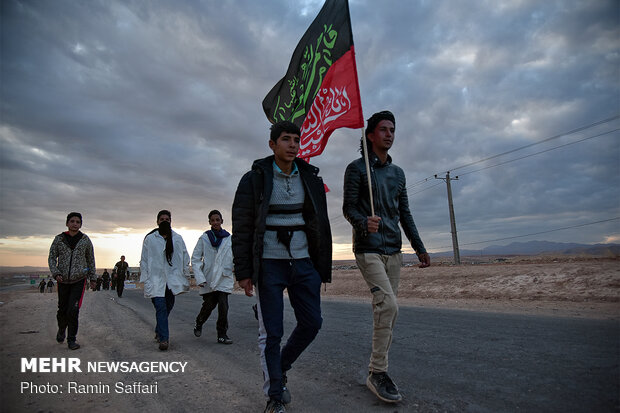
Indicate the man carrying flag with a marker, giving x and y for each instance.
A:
(377, 239)
(281, 234)
(320, 91)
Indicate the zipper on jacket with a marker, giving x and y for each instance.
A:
(70, 263)
(379, 202)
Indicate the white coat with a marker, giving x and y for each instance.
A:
(213, 266)
(156, 273)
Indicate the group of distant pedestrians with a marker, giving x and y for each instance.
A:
(49, 284)
(281, 239)
(119, 274)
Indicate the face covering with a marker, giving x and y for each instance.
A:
(166, 231)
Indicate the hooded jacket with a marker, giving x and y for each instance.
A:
(249, 213)
(389, 189)
(213, 266)
(156, 273)
(72, 264)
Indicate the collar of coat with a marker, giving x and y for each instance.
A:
(266, 165)
(374, 160)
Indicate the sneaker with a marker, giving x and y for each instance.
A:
(275, 406)
(383, 387)
(286, 394)
(197, 330)
(60, 336)
(157, 337)
(72, 345)
(163, 345)
(224, 340)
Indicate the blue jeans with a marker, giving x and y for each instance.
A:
(163, 307)
(304, 290)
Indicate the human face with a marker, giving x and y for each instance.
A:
(216, 222)
(163, 218)
(74, 224)
(382, 137)
(285, 148)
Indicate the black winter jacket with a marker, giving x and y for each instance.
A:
(391, 204)
(249, 213)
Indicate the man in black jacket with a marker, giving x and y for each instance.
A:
(377, 240)
(121, 271)
(282, 239)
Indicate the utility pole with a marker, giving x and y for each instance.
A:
(455, 241)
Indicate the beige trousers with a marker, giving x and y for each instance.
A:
(382, 274)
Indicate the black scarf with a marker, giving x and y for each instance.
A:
(72, 241)
(216, 237)
(166, 231)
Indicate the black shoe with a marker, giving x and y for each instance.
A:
(383, 387)
(72, 345)
(224, 340)
(60, 336)
(286, 394)
(163, 345)
(275, 406)
(197, 330)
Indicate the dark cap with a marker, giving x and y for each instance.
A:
(374, 120)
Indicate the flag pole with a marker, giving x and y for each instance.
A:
(365, 146)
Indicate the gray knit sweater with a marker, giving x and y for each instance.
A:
(288, 194)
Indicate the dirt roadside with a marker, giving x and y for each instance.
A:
(545, 285)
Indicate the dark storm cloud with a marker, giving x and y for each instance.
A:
(118, 107)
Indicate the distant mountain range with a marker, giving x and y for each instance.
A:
(22, 270)
(541, 247)
(516, 248)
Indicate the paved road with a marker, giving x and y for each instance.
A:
(442, 360)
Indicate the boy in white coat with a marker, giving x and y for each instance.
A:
(212, 262)
(164, 270)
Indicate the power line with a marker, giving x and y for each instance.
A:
(580, 129)
(539, 142)
(422, 181)
(537, 233)
(422, 190)
(538, 153)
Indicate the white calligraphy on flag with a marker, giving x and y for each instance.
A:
(329, 105)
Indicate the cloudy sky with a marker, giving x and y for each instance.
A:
(118, 109)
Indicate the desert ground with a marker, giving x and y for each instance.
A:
(549, 284)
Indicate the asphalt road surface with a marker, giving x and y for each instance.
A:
(442, 360)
